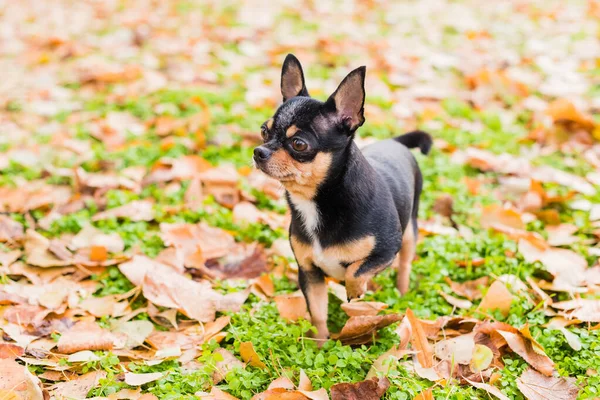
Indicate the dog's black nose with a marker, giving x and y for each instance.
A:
(261, 153)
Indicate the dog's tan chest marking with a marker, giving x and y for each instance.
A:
(331, 259)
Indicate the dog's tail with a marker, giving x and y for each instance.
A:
(419, 139)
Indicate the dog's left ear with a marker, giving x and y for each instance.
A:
(349, 99)
(292, 79)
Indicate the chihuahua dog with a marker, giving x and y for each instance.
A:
(352, 210)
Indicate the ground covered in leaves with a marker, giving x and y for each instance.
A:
(141, 256)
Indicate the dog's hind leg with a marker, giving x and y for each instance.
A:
(407, 255)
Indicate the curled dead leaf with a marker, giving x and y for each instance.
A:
(86, 335)
(360, 330)
(498, 297)
(360, 308)
(536, 386)
(371, 389)
(250, 356)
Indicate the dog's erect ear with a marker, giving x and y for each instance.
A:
(292, 79)
(349, 99)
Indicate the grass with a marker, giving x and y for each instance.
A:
(286, 348)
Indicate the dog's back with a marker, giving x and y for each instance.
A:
(394, 162)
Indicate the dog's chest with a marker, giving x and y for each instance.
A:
(334, 258)
(326, 260)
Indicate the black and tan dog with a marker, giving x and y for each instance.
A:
(352, 210)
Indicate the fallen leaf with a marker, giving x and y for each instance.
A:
(419, 341)
(455, 301)
(426, 394)
(360, 330)
(250, 356)
(83, 356)
(79, 387)
(216, 394)
(482, 358)
(469, 289)
(457, 350)
(363, 308)
(10, 230)
(141, 379)
(136, 332)
(222, 367)
(386, 361)
(283, 382)
(85, 335)
(137, 210)
(37, 251)
(488, 388)
(371, 389)
(529, 351)
(563, 110)
(536, 386)
(17, 381)
(304, 382)
(10, 351)
(292, 307)
(498, 297)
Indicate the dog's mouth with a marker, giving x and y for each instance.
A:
(280, 177)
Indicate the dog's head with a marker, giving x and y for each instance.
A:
(305, 136)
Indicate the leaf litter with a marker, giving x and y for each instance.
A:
(133, 234)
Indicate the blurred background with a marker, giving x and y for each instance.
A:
(59, 57)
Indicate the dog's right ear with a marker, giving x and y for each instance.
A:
(292, 79)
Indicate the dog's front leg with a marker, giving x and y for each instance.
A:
(312, 283)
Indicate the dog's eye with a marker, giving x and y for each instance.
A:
(299, 145)
(263, 132)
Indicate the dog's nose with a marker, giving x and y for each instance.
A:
(261, 153)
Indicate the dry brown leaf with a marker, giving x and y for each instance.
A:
(250, 356)
(562, 235)
(586, 310)
(10, 230)
(141, 379)
(498, 297)
(469, 289)
(85, 335)
(455, 301)
(280, 394)
(265, 284)
(78, 387)
(536, 386)
(292, 307)
(384, 362)
(371, 389)
(17, 381)
(283, 382)
(10, 351)
(216, 394)
(457, 350)
(361, 330)
(563, 110)
(496, 216)
(37, 251)
(419, 341)
(90, 236)
(304, 382)
(366, 308)
(136, 332)
(530, 352)
(426, 394)
(137, 210)
(223, 367)
(488, 388)
(198, 242)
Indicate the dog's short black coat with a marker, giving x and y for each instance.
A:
(352, 210)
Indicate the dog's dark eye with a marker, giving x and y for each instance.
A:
(263, 132)
(299, 145)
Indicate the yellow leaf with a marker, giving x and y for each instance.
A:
(482, 358)
(250, 356)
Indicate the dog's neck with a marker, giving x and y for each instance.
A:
(349, 184)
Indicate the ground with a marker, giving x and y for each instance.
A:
(140, 253)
